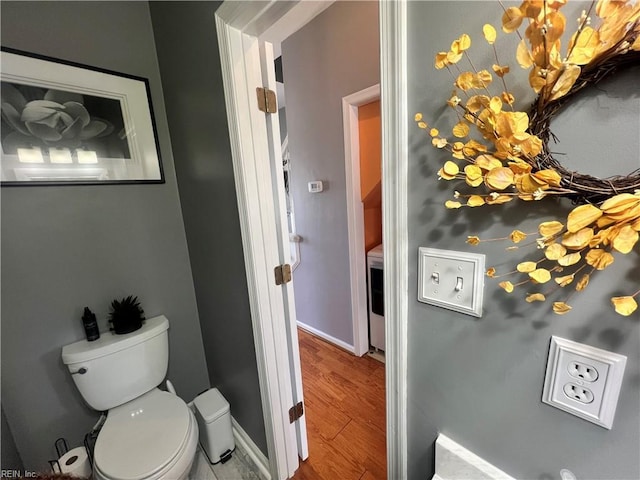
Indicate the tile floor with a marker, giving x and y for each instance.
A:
(239, 467)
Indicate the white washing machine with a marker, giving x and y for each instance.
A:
(375, 280)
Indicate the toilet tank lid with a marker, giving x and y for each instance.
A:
(109, 342)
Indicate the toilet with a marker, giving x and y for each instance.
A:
(149, 434)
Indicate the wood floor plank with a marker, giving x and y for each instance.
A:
(345, 413)
(325, 462)
(365, 445)
(368, 476)
(322, 418)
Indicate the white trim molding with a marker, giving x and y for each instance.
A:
(333, 340)
(240, 61)
(253, 452)
(393, 82)
(355, 215)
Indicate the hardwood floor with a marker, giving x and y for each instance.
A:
(345, 411)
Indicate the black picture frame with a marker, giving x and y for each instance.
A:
(65, 123)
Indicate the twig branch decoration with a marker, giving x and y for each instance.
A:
(511, 158)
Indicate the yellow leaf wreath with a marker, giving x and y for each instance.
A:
(514, 162)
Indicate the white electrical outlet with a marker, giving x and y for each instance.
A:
(583, 380)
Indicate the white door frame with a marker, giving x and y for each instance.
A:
(240, 61)
(238, 24)
(355, 215)
(395, 229)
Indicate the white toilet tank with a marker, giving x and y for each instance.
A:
(114, 369)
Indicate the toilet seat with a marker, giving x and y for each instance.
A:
(146, 438)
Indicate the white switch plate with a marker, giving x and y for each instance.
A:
(316, 186)
(583, 380)
(452, 280)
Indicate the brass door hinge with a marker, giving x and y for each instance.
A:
(296, 412)
(282, 274)
(266, 100)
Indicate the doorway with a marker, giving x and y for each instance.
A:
(320, 77)
(238, 24)
(363, 209)
(326, 153)
(351, 105)
(345, 394)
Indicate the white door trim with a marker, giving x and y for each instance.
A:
(395, 233)
(355, 215)
(238, 23)
(240, 61)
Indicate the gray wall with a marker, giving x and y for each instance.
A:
(333, 56)
(479, 381)
(67, 247)
(187, 48)
(10, 457)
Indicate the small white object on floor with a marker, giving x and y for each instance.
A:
(454, 462)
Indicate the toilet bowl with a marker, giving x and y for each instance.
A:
(152, 437)
(149, 434)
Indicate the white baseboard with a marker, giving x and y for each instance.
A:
(253, 452)
(337, 342)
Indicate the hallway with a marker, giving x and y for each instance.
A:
(345, 410)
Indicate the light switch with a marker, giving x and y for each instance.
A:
(316, 186)
(450, 279)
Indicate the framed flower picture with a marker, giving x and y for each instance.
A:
(67, 123)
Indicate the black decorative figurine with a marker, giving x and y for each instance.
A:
(90, 325)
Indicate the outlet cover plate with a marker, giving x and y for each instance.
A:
(570, 368)
(451, 279)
